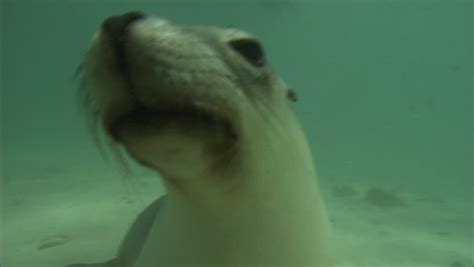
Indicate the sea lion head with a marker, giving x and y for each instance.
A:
(182, 100)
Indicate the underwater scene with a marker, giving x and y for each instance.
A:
(273, 133)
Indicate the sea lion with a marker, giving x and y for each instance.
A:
(202, 107)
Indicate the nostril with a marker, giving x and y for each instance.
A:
(116, 26)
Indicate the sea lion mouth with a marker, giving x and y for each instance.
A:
(190, 119)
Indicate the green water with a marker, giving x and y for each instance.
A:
(384, 87)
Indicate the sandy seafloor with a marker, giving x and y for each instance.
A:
(54, 215)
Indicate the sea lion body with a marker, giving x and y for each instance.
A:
(201, 106)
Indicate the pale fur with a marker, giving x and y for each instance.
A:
(256, 204)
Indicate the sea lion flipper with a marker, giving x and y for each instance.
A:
(109, 263)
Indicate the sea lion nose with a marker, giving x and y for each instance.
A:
(115, 29)
(116, 26)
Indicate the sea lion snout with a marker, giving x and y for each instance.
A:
(118, 23)
(143, 65)
(115, 29)
(116, 26)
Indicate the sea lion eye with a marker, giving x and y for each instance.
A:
(250, 49)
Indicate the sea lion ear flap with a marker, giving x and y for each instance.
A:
(291, 94)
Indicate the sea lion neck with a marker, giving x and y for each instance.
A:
(272, 158)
